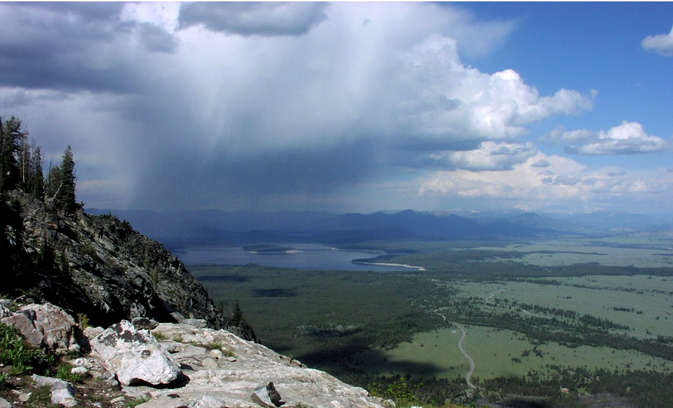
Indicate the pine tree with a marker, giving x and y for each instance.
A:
(65, 194)
(52, 183)
(11, 140)
(37, 188)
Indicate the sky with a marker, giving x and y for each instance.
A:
(349, 107)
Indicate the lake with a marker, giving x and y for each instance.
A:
(307, 256)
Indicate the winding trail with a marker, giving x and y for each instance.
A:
(491, 297)
(468, 376)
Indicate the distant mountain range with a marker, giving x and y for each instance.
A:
(176, 228)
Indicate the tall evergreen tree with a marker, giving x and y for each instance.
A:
(52, 183)
(65, 195)
(37, 189)
(11, 140)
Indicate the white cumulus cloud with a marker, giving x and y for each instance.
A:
(661, 44)
(627, 138)
(489, 156)
(557, 183)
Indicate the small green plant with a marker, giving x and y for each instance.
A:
(212, 346)
(64, 372)
(399, 391)
(14, 351)
(41, 397)
(178, 339)
(137, 401)
(228, 353)
(88, 250)
(159, 336)
(83, 320)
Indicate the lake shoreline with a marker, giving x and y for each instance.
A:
(418, 268)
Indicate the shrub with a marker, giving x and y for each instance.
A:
(14, 351)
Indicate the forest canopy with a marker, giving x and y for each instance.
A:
(21, 168)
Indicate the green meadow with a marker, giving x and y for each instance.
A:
(533, 312)
(649, 299)
(606, 251)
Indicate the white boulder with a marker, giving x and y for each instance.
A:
(135, 356)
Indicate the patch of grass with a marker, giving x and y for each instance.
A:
(41, 397)
(215, 345)
(64, 372)
(159, 336)
(212, 346)
(88, 250)
(137, 401)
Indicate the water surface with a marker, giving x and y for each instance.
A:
(306, 256)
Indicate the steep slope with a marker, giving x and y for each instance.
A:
(95, 265)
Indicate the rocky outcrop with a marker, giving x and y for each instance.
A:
(62, 392)
(135, 356)
(98, 266)
(222, 367)
(206, 368)
(46, 326)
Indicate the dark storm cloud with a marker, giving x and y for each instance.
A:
(156, 39)
(181, 176)
(73, 46)
(88, 11)
(304, 102)
(267, 19)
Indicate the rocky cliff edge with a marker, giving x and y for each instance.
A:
(97, 266)
(171, 365)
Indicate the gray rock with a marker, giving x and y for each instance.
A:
(4, 403)
(164, 402)
(4, 312)
(94, 367)
(62, 393)
(47, 326)
(207, 401)
(135, 355)
(79, 370)
(24, 396)
(209, 363)
(198, 323)
(144, 323)
(233, 383)
(267, 396)
(91, 332)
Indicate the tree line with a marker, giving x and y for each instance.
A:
(21, 168)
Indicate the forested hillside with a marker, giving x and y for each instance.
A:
(94, 265)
